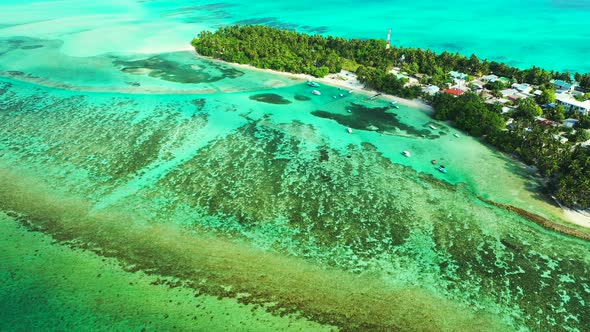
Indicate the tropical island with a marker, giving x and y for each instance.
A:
(539, 116)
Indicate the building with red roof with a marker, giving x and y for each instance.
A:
(455, 92)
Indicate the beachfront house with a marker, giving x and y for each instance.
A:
(573, 105)
(431, 89)
(560, 85)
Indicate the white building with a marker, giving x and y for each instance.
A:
(572, 104)
(458, 75)
(489, 78)
(431, 89)
(512, 94)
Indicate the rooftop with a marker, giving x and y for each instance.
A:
(455, 92)
(568, 99)
(456, 74)
(563, 84)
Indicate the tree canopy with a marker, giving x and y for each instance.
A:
(535, 143)
(527, 109)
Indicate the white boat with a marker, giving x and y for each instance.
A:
(349, 91)
(433, 127)
(314, 84)
(349, 111)
(393, 102)
(341, 95)
(349, 130)
(456, 135)
(316, 92)
(406, 153)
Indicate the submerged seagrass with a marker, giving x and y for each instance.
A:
(248, 202)
(152, 189)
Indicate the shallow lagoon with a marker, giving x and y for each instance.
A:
(277, 177)
(162, 177)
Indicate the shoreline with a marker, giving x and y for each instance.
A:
(572, 216)
(540, 220)
(345, 79)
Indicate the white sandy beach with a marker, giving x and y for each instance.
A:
(345, 79)
(577, 217)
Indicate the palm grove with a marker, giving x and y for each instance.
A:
(566, 166)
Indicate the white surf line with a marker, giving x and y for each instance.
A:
(183, 153)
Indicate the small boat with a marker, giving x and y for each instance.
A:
(395, 106)
(434, 161)
(316, 92)
(393, 102)
(433, 127)
(456, 135)
(341, 95)
(349, 91)
(406, 153)
(313, 84)
(349, 111)
(334, 97)
(442, 169)
(349, 130)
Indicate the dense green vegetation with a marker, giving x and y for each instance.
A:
(565, 165)
(284, 50)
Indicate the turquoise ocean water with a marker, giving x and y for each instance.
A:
(551, 34)
(144, 187)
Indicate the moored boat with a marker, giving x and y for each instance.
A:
(316, 92)
(313, 84)
(349, 130)
(406, 153)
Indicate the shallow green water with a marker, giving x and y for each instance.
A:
(50, 287)
(295, 184)
(132, 179)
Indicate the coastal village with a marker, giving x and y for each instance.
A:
(567, 95)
